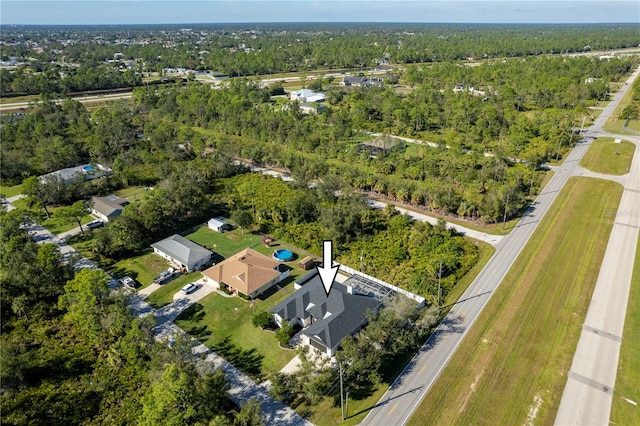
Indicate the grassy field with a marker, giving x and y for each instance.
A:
(628, 378)
(224, 324)
(164, 295)
(143, 268)
(226, 244)
(512, 366)
(614, 124)
(133, 193)
(605, 156)
(10, 191)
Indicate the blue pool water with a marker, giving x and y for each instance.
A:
(89, 168)
(283, 255)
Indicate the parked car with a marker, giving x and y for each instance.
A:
(95, 224)
(166, 276)
(128, 281)
(189, 288)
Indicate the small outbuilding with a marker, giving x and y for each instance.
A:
(219, 225)
(307, 263)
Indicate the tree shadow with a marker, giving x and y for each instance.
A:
(248, 361)
(194, 313)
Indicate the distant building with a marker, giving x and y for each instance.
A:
(219, 225)
(84, 172)
(182, 253)
(106, 208)
(306, 95)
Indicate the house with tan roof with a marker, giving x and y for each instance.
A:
(247, 272)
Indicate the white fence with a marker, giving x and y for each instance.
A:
(421, 301)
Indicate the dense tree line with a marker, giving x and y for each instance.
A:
(54, 78)
(241, 51)
(72, 352)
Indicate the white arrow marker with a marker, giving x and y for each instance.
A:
(327, 271)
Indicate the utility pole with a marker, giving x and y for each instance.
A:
(439, 279)
(341, 390)
(504, 219)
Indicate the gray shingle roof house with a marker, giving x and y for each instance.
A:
(326, 320)
(108, 207)
(182, 253)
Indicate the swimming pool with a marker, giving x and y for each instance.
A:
(283, 255)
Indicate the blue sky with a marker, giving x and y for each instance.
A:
(215, 11)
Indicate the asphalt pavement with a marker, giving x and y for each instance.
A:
(405, 394)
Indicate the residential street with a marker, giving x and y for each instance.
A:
(242, 387)
(406, 393)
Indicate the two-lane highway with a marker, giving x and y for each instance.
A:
(405, 394)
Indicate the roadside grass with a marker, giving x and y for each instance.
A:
(10, 191)
(143, 267)
(605, 156)
(224, 324)
(512, 366)
(627, 385)
(615, 124)
(326, 413)
(227, 243)
(164, 295)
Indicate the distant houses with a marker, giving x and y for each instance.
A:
(306, 95)
(83, 173)
(355, 81)
(106, 208)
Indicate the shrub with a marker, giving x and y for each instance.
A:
(284, 333)
(262, 319)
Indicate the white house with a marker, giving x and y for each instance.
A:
(306, 95)
(108, 207)
(182, 253)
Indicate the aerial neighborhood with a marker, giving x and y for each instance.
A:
(318, 223)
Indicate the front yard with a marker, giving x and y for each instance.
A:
(224, 324)
(144, 268)
(164, 295)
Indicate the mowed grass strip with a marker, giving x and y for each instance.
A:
(512, 366)
(627, 388)
(606, 156)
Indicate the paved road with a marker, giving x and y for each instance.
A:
(18, 106)
(405, 394)
(588, 394)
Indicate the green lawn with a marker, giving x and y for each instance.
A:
(132, 193)
(10, 191)
(164, 295)
(606, 156)
(224, 325)
(54, 224)
(227, 243)
(628, 378)
(515, 359)
(144, 267)
(614, 124)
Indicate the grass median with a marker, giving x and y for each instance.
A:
(512, 366)
(606, 156)
(626, 394)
